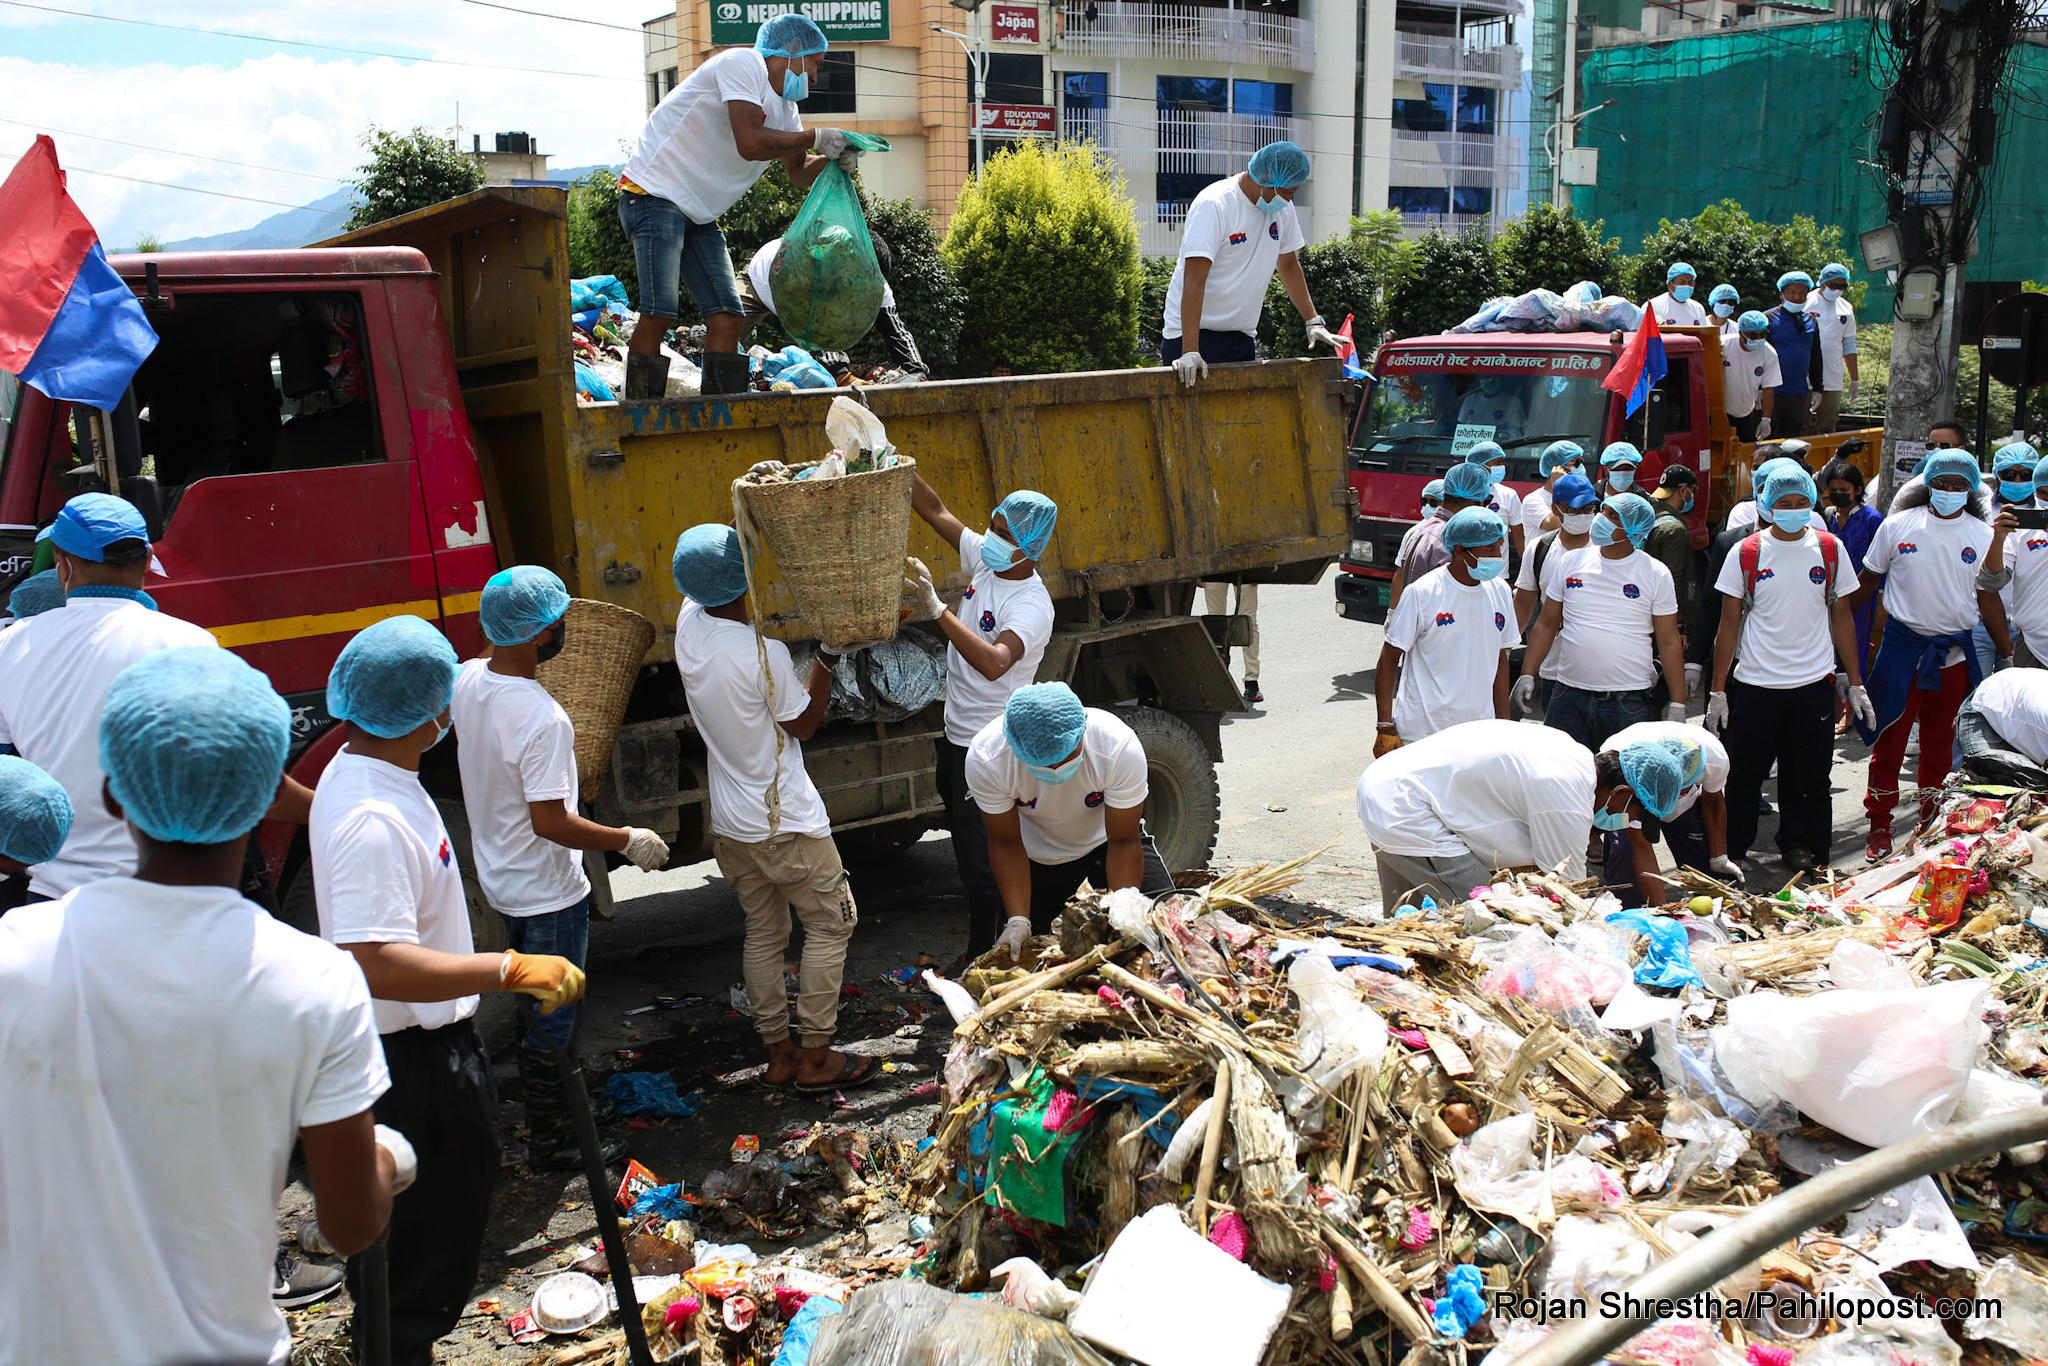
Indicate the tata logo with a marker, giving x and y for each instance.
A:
(1238, 239)
(1818, 574)
(1763, 574)
(729, 13)
(1630, 591)
(1273, 231)
(1969, 554)
(1093, 799)
(1500, 621)
(988, 621)
(1908, 548)
(1574, 582)
(1445, 619)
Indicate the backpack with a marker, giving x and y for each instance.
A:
(1541, 553)
(1751, 550)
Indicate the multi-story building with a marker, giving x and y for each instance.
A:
(1457, 81)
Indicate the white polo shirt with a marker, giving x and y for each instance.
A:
(1673, 313)
(1242, 243)
(515, 745)
(1061, 821)
(1452, 635)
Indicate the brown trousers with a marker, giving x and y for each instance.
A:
(801, 872)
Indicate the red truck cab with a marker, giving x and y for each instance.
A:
(1431, 399)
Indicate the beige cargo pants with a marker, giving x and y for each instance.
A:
(1216, 598)
(801, 872)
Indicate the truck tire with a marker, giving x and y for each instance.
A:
(486, 927)
(882, 843)
(1182, 809)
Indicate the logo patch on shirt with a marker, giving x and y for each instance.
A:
(969, 593)
(1629, 590)
(1030, 805)
(1273, 231)
(1238, 239)
(2037, 542)
(1500, 621)
(1763, 574)
(447, 855)
(1445, 619)
(1758, 372)
(1908, 548)
(1093, 799)
(988, 621)
(1572, 581)
(1969, 554)
(1818, 574)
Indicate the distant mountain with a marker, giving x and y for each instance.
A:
(297, 227)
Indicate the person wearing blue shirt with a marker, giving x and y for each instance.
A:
(1795, 336)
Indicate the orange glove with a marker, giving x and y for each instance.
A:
(551, 980)
(1387, 743)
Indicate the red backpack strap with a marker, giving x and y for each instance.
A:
(1830, 557)
(1751, 550)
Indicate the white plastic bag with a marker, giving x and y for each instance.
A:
(958, 1001)
(1338, 1035)
(1187, 1141)
(1589, 1257)
(1497, 1169)
(1990, 1093)
(1027, 1287)
(853, 428)
(1858, 966)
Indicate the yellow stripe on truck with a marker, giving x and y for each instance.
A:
(335, 623)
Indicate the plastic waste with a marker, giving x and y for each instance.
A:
(910, 1323)
(959, 1002)
(2022, 1298)
(852, 426)
(1338, 1034)
(827, 283)
(651, 1093)
(596, 291)
(1858, 966)
(1534, 968)
(1710, 1141)
(1496, 1169)
(1588, 1257)
(1668, 961)
(588, 381)
(797, 365)
(1461, 1305)
(1633, 1008)
(1186, 1143)
(1027, 1287)
(666, 1201)
(832, 466)
(1158, 1293)
(801, 1335)
(1990, 1093)
(1130, 913)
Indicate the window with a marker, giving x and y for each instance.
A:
(1472, 199)
(1263, 97)
(832, 88)
(1194, 94)
(1084, 104)
(1014, 79)
(1430, 114)
(1475, 109)
(1412, 200)
(1177, 190)
(1670, 406)
(659, 83)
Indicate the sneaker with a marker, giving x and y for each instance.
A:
(1878, 846)
(295, 1283)
(1800, 861)
(1251, 691)
(569, 1157)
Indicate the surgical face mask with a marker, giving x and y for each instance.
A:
(795, 85)
(442, 725)
(1791, 520)
(1431, 509)
(1577, 523)
(1058, 773)
(1603, 819)
(1489, 386)
(1947, 503)
(1270, 204)
(1831, 294)
(1621, 480)
(1681, 292)
(1794, 307)
(1496, 473)
(997, 553)
(554, 644)
(1489, 568)
(1750, 343)
(2018, 492)
(1604, 529)
(1724, 310)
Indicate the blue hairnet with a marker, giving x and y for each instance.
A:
(1472, 527)
(521, 602)
(1279, 166)
(1752, 321)
(2041, 471)
(1953, 462)
(1692, 760)
(2014, 456)
(1557, 455)
(789, 35)
(91, 522)
(1468, 481)
(1763, 472)
(1721, 292)
(1043, 722)
(1834, 270)
(1574, 490)
(1677, 269)
(708, 566)
(192, 741)
(1653, 772)
(1031, 516)
(1433, 489)
(35, 812)
(1794, 277)
(1635, 514)
(36, 594)
(1485, 453)
(1620, 453)
(393, 677)
(1787, 479)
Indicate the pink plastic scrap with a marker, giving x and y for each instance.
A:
(1111, 995)
(1328, 1280)
(1763, 1354)
(1414, 1038)
(1230, 1234)
(1419, 1228)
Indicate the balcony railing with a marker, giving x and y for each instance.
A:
(1187, 33)
(1445, 149)
(1431, 56)
(1185, 140)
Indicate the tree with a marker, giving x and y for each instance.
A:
(597, 240)
(1045, 247)
(407, 172)
(1553, 249)
(1449, 278)
(1874, 364)
(1724, 245)
(1158, 272)
(148, 242)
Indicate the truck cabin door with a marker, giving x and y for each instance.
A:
(1671, 429)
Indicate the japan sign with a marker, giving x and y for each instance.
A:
(1014, 23)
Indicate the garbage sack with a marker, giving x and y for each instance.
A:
(799, 1339)
(910, 1323)
(651, 1093)
(797, 365)
(588, 381)
(1166, 1296)
(825, 278)
(888, 682)
(596, 291)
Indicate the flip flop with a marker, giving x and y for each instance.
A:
(851, 1074)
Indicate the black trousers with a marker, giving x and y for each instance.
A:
(1053, 884)
(1218, 348)
(443, 1100)
(1685, 835)
(970, 850)
(1793, 728)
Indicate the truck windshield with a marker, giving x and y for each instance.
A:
(1447, 415)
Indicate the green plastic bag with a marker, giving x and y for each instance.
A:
(826, 281)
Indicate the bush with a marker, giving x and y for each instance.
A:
(1045, 249)
(597, 240)
(407, 172)
(1549, 248)
(1158, 279)
(928, 298)
(1351, 275)
(1724, 245)
(1450, 276)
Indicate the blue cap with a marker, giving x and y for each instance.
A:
(35, 812)
(1653, 771)
(1794, 277)
(35, 595)
(1752, 321)
(1043, 722)
(521, 602)
(1834, 270)
(1473, 527)
(1677, 269)
(2014, 456)
(1433, 489)
(1469, 481)
(91, 522)
(1031, 516)
(1620, 453)
(1574, 491)
(708, 567)
(1723, 294)
(1953, 462)
(1557, 455)
(789, 35)
(1279, 166)
(192, 741)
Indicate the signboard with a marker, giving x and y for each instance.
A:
(1495, 362)
(844, 21)
(1469, 435)
(1906, 457)
(1014, 23)
(1021, 120)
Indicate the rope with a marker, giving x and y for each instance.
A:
(743, 523)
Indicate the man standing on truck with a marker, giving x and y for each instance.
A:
(1676, 306)
(389, 892)
(1725, 302)
(701, 149)
(1834, 319)
(1422, 548)
(993, 646)
(1447, 643)
(1749, 376)
(517, 756)
(1062, 788)
(1239, 232)
(758, 299)
(769, 829)
(1796, 338)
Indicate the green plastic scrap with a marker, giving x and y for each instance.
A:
(1027, 1167)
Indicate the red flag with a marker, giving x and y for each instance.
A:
(44, 240)
(1641, 364)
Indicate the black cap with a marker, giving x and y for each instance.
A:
(1678, 477)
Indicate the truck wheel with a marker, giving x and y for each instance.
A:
(883, 843)
(1182, 807)
(486, 928)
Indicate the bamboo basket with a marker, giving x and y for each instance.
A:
(603, 647)
(839, 544)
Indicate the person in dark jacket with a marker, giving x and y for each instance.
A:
(1795, 336)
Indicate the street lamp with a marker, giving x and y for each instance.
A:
(977, 66)
(1552, 137)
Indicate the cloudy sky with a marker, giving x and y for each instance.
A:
(294, 114)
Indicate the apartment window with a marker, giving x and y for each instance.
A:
(1269, 98)
(659, 83)
(1194, 94)
(1475, 109)
(1413, 200)
(1177, 190)
(832, 88)
(1014, 79)
(1472, 199)
(1430, 114)
(1084, 104)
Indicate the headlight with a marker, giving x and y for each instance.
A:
(1361, 552)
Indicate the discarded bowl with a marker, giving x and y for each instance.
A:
(568, 1302)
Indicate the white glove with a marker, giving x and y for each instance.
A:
(831, 142)
(404, 1165)
(1522, 696)
(1695, 675)
(1725, 868)
(1849, 394)
(645, 850)
(1013, 936)
(1842, 683)
(1319, 335)
(1675, 711)
(849, 160)
(1191, 367)
(1813, 401)
(1860, 706)
(1763, 429)
(1717, 711)
(919, 595)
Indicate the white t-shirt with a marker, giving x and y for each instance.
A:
(384, 872)
(516, 745)
(1453, 636)
(1061, 821)
(1746, 374)
(721, 670)
(1507, 503)
(1930, 564)
(1501, 415)
(1242, 244)
(2026, 596)
(687, 154)
(1786, 641)
(1605, 644)
(1712, 752)
(1837, 322)
(2015, 702)
(180, 1039)
(1509, 793)
(1743, 516)
(763, 262)
(1525, 581)
(1536, 505)
(991, 606)
(1671, 312)
(54, 672)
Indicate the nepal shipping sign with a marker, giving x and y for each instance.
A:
(844, 21)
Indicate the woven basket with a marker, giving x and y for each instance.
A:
(840, 545)
(603, 647)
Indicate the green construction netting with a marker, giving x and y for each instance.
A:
(1784, 119)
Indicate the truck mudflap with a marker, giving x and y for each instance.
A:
(1363, 597)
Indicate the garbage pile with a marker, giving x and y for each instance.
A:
(1582, 308)
(601, 319)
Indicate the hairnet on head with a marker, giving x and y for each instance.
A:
(91, 522)
(708, 566)
(1692, 760)
(1768, 468)
(393, 677)
(1031, 516)
(1794, 277)
(193, 741)
(1573, 491)
(1485, 453)
(1557, 455)
(2018, 455)
(1473, 527)
(1834, 270)
(1787, 479)
(35, 812)
(1620, 453)
(1752, 321)
(1043, 722)
(1433, 489)
(36, 594)
(2041, 471)
(521, 602)
(1723, 294)
(1677, 269)
(789, 35)
(1635, 514)
(1953, 462)
(1279, 166)
(1469, 481)
(1653, 772)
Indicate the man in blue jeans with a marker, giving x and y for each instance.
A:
(517, 756)
(701, 149)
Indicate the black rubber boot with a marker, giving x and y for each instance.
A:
(726, 372)
(646, 378)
